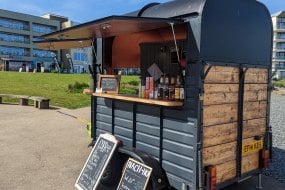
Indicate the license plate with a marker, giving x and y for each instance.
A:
(252, 147)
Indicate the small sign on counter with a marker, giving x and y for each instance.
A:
(135, 176)
(97, 162)
(109, 84)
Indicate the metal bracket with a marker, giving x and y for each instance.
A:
(259, 185)
(207, 71)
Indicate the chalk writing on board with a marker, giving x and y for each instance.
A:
(109, 84)
(135, 176)
(96, 162)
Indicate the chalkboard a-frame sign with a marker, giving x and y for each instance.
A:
(135, 176)
(109, 83)
(97, 162)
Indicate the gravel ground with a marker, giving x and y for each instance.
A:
(277, 121)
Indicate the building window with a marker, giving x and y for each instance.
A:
(280, 55)
(280, 35)
(14, 24)
(7, 37)
(280, 45)
(43, 28)
(280, 65)
(281, 23)
(14, 51)
(79, 57)
(42, 53)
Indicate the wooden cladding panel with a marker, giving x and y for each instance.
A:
(220, 114)
(220, 88)
(255, 92)
(254, 75)
(228, 93)
(250, 162)
(226, 171)
(225, 133)
(254, 127)
(219, 74)
(253, 110)
(219, 134)
(219, 154)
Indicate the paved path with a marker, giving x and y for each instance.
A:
(41, 149)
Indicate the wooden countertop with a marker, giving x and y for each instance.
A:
(140, 100)
(87, 91)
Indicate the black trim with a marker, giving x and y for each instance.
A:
(240, 121)
(236, 64)
(161, 114)
(145, 8)
(134, 124)
(113, 116)
(93, 116)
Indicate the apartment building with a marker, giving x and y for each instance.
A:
(17, 33)
(278, 60)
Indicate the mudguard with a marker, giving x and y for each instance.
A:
(113, 172)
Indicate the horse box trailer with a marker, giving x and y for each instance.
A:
(219, 132)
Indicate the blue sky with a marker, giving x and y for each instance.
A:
(86, 10)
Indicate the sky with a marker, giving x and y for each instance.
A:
(87, 10)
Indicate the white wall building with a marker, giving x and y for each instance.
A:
(278, 59)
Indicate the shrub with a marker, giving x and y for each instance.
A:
(77, 87)
(133, 83)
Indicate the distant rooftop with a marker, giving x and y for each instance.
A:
(55, 17)
(279, 14)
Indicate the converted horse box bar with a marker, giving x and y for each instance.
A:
(219, 133)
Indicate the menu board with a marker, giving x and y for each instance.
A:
(97, 162)
(109, 83)
(135, 176)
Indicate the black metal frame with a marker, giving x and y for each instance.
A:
(242, 73)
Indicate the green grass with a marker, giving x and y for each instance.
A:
(48, 85)
(129, 84)
(62, 89)
(279, 83)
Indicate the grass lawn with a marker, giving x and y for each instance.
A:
(53, 86)
(48, 85)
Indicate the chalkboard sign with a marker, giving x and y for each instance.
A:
(109, 83)
(96, 162)
(135, 176)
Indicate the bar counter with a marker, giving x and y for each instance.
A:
(139, 100)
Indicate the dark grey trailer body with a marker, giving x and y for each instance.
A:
(225, 33)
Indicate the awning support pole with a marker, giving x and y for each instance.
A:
(174, 38)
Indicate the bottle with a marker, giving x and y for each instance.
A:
(177, 88)
(172, 89)
(166, 88)
(160, 88)
(182, 91)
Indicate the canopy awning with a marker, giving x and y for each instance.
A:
(111, 26)
(52, 44)
(81, 36)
